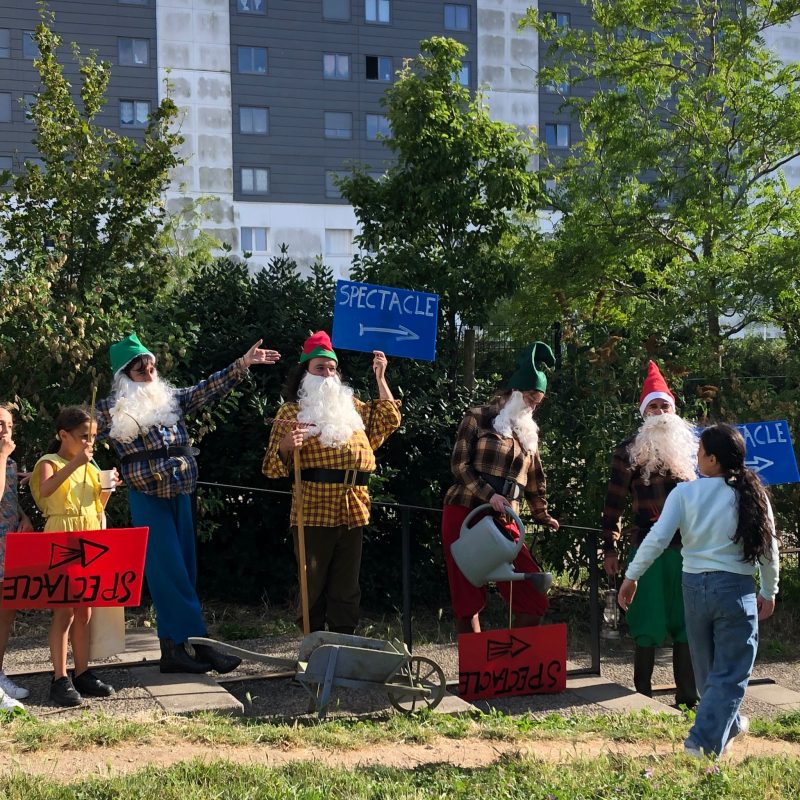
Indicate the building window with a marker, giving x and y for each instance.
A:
(254, 240)
(331, 189)
(379, 68)
(5, 165)
(28, 101)
(134, 2)
(5, 43)
(29, 47)
(336, 66)
(252, 60)
(5, 107)
(456, 17)
(251, 6)
(338, 125)
(255, 180)
(463, 74)
(134, 52)
(378, 126)
(557, 87)
(253, 120)
(338, 242)
(336, 9)
(556, 135)
(134, 113)
(561, 19)
(378, 10)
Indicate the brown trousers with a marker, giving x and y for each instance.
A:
(333, 562)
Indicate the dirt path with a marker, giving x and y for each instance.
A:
(74, 765)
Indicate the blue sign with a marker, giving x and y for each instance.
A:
(770, 452)
(397, 321)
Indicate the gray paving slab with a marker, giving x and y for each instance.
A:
(613, 696)
(141, 645)
(186, 694)
(775, 695)
(452, 704)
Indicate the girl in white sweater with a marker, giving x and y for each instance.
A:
(728, 532)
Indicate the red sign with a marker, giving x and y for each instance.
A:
(74, 568)
(512, 661)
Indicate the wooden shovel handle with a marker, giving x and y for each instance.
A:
(301, 542)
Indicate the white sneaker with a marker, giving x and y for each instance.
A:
(744, 727)
(692, 751)
(8, 703)
(11, 688)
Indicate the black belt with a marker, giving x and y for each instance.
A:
(348, 477)
(504, 486)
(159, 452)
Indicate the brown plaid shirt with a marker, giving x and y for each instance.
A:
(328, 505)
(647, 500)
(479, 448)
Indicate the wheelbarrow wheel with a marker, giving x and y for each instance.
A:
(418, 672)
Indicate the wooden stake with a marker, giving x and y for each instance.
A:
(301, 542)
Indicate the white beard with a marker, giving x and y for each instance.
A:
(147, 404)
(516, 419)
(326, 404)
(665, 444)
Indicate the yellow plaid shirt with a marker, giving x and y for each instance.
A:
(328, 505)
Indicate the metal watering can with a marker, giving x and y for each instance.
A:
(485, 552)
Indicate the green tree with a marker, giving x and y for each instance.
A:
(83, 259)
(436, 220)
(673, 207)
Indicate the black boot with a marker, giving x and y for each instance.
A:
(174, 658)
(220, 662)
(644, 659)
(683, 671)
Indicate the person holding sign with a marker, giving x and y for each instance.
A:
(728, 533)
(496, 461)
(648, 466)
(144, 419)
(66, 486)
(335, 436)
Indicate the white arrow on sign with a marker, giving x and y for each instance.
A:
(758, 463)
(404, 334)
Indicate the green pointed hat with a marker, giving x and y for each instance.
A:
(122, 353)
(528, 375)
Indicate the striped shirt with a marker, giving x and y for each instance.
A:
(178, 473)
(329, 505)
(479, 448)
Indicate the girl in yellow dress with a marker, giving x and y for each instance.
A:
(66, 486)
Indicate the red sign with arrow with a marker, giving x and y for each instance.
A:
(512, 661)
(74, 568)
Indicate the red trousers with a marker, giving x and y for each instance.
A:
(467, 599)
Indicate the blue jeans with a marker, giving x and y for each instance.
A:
(722, 625)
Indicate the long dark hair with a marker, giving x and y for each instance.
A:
(69, 418)
(754, 532)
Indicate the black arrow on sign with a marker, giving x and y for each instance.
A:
(86, 553)
(512, 647)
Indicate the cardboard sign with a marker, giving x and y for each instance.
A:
(399, 322)
(770, 452)
(512, 661)
(74, 568)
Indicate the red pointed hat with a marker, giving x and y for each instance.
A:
(655, 388)
(318, 345)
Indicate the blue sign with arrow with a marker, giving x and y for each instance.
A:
(400, 322)
(770, 452)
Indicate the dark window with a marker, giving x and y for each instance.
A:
(338, 125)
(378, 126)
(5, 43)
(379, 68)
(557, 87)
(331, 189)
(134, 2)
(253, 60)
(5, 164)
(254, 240)
(562, 20)
(5, 107)
(378, 10)
(463, 74)
(251, 6)
(134, 52)
(134, 113)
(28, 101)
(29, 47)
(336, 66)
(255, 180)
(336, 9)
(253, 119)
(556, 135)
(456, 17)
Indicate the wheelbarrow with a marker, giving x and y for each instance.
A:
(356, 662)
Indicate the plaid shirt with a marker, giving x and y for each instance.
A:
(179, 474)
(480, 448)
(647, 500)
(328, 505)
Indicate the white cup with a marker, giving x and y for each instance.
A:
(108, 479)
